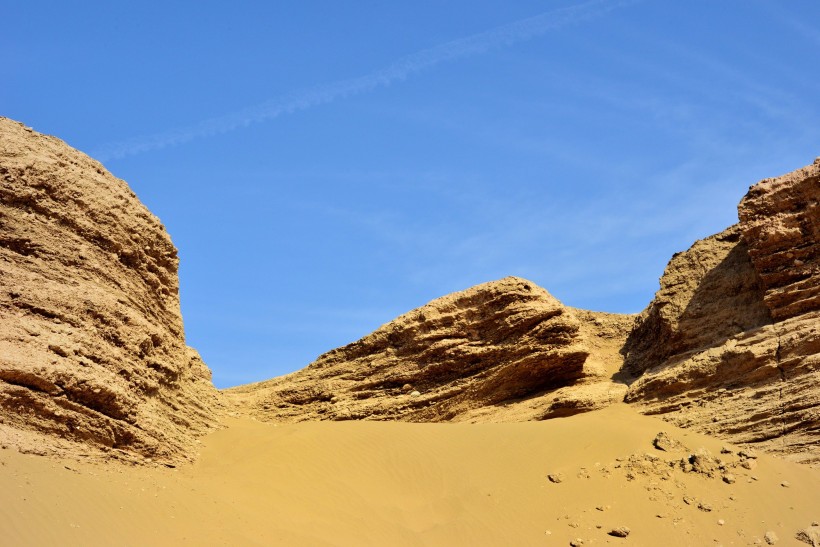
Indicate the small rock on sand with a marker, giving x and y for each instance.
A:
(619, 532)
(728, 478)
(556, 477)
(666, 443)
(415, 393)
(577, 542)
(747, 453)
(771, 538)
(810, 535)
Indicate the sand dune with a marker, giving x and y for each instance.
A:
(378, 483)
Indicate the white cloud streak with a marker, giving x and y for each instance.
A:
(499, 37)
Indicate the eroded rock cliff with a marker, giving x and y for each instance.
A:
(500, 349)
(731, 343)
(92, 348)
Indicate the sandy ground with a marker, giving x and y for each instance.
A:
(376, 483)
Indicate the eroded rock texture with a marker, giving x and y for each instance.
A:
(92, 349)
(731, 343)
(780, 218)
(472, 354)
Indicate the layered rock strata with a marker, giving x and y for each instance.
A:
(92, 349)
(780, 219)
(469, 355)
(731, 343)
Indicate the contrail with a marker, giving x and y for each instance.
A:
(503, 36)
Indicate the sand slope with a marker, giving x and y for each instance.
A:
(379, 483)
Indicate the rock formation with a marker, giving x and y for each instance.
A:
(729, 346)
(500, 349)
(93, 355)
(92, 349)
(731, 343)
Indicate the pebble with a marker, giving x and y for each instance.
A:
(728, 478)
(721, 522)
(577, 542)
(619, 532)
(415, 393)
(771, 538)
(785, 484)
(556, 477)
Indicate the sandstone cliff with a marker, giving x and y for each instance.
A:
(500, 350)
(92, 349)
(731, 343)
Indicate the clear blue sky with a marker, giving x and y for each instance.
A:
(324, 166)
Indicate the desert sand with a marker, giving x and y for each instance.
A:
(380, 483)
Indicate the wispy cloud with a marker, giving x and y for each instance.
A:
(498, 37)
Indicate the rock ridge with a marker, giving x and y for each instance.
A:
(483, 348)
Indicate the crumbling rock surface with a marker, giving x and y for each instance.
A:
(731, 343)
(780, 219)
(471, 355)
(707, 295)
(92, 349)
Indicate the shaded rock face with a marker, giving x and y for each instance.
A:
(731, 343)
(708, 294)
(92, 348)
(479, 349)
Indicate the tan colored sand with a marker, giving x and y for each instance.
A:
(377, 483)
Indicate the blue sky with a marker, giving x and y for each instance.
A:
(326, 166)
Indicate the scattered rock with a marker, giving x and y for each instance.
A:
(810, 535)
(577, 542)
(748, 464)
(666, 443)
(556, 477)
(771, 538)
(619, 532)
(728, 478)
(785, 484)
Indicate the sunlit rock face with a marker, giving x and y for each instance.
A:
(476, 354)
(92, 348)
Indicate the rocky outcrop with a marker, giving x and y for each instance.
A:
(707, 294)
(92, 348)
(731, 343)
(780, 219)
(504, 347)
